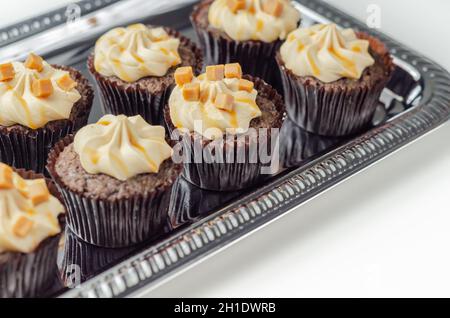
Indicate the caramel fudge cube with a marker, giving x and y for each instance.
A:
(22, 227)
(236, 5)
(34, 62)
(42, 88)
(273, 7)
(224, 101)
(245, 85)
(191, 92)
(7, 72)
(38, 192)
(215, 72)
(183, 75)
(6, 177)
(233, 70)
(66, 82)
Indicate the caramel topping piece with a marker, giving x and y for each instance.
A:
(204, 95)
(183, 75)
(236, 5)
(191, 92)
(245, 85)
(233, 70)
(38, 192)
(273, 7)
(66, 82)
(215, 72)
(42, 88)
(34, 62)
(22, 227)
(6, 72)
(6, 176)
(224, 101)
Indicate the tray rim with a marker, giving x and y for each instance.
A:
(227, 226)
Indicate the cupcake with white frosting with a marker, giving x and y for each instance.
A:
(116, 177)
(39, 105)
(245, 31)
(333, 78)
(30, 226)
(225, 120)
(133, 67)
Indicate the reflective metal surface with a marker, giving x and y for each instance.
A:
(201, 223)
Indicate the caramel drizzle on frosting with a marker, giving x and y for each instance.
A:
(122, 147)
(327, 53)
(220, 99)
(259, 20)
(34, 93)
(136, 52)
(28, 212)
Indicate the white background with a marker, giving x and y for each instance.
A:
(385, 232)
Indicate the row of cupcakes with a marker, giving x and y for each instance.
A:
(115, 176)
(332, 78)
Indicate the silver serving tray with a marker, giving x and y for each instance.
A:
(203, 223)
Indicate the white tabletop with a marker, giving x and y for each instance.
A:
(384, 232)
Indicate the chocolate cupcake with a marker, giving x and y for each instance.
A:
(39, 105)
(30, 227)
(116, 177)
(333, 78)
(134, 66)
(245, 31)
(227, 124)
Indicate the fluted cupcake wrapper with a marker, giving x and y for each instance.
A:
(81, 260)
(257, 58)
(28, 149)
(335, 110)
(30, 275)
(230, 170)
(111, 223)
(135, 99)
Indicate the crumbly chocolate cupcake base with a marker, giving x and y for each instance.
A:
(106, 212)
(26, 148)
(147, 96)
(340, 108)
(257, 58)
(29, 275)
(232, 176)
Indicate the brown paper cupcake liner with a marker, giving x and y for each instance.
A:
(335, 110)
(134, 99)
(111, 223)
(257, 58)
(229, 175)
(82, 261)
(26, 148)
(30, 275)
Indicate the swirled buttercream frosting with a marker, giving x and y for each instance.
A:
(28, 212)
(261, 20)
(326, 53)
(135, 52)
(122, 147)
(216, 102)
(35, 94)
